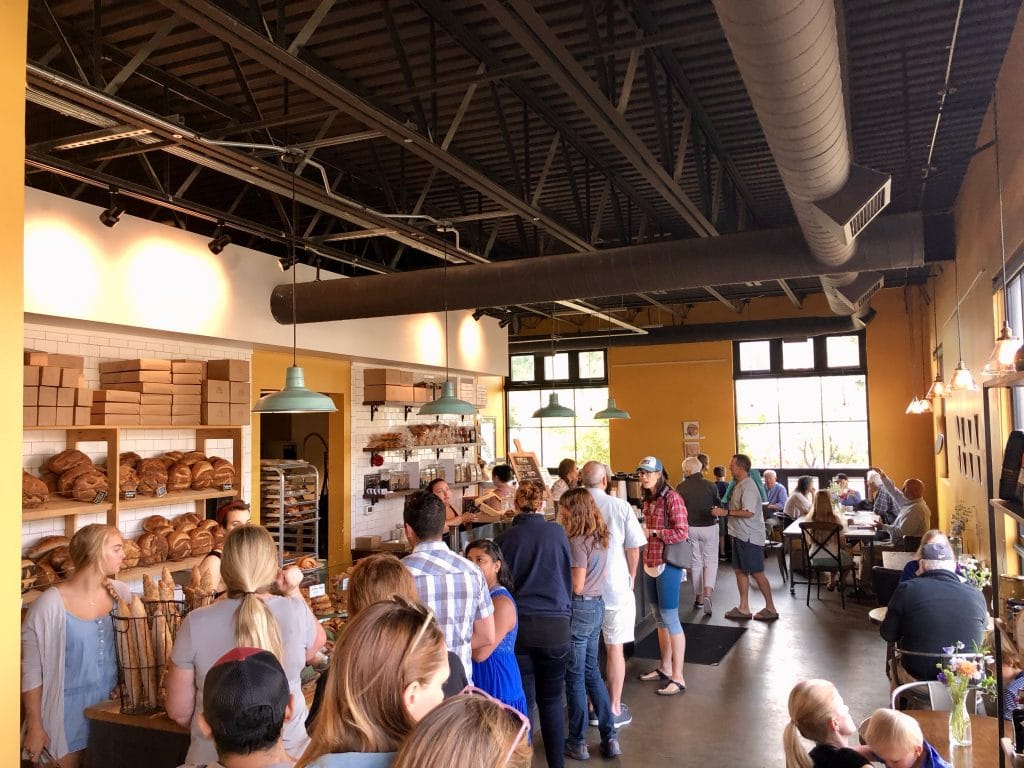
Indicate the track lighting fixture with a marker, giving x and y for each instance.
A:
(221, 239)
(478, 313)
(113, 212)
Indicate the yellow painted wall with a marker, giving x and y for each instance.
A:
(495, 408)
(333, 377)
(13, 33)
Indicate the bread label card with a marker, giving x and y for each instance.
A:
(100, 496)
(226, 487)
(127, 494)
(161, 490)
(317, 590)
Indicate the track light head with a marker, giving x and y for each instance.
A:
(221, 240)
(478, 313)
(285, 263)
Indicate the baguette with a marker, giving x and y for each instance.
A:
(149, 590)
(144, 652)
(127, 650)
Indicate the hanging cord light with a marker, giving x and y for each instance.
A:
(917, 405)
(938, 387)
(1003, 354)
(962, 380)
(611, 411)
(294, 398)
(447, 403)
(554, 409)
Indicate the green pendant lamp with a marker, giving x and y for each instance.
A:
(612, 411)
(447, 404)
(554, 410)
(294, 398)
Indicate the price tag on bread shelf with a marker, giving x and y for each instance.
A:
(100, 496)
(127, 494)
(161, 490)
(317, 590)
(226, 487)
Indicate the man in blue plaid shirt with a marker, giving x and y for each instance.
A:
(451, 586)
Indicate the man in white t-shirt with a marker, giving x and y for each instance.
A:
(746, 526)
(625, 537)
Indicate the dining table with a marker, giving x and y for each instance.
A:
(862, 535)
(984, 732)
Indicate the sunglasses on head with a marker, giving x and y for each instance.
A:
(524, 721)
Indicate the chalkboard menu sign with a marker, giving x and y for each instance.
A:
(526, 467)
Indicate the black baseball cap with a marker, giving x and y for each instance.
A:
(245, 691)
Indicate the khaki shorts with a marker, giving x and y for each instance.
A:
(619, 623)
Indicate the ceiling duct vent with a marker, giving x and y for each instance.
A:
(855, 294)
(865, 194)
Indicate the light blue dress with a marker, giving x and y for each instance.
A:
(90, 673)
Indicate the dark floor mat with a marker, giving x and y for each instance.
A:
(705, 643)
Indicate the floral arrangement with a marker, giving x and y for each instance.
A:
(834, 491)
(958, 673)
(976, 573)
(962, 514)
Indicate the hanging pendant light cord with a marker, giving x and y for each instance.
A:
(956, 286)
(999, 190)
(291, 257)
(444, 292)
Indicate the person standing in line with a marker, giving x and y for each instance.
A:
(625, 537)
(666, 523)
(700, 497)
(746, 526)
(568, 478)
(723, 530)
(720, 483)
(704, 460)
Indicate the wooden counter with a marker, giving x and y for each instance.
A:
(128, 741)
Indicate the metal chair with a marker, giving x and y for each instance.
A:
(931, 692)
(773, 541)
(884, 582)
(823, 544)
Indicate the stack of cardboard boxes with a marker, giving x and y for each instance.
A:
(388, 385)
(187, 388)
(226, 394)
(139, 388)
(55, 392)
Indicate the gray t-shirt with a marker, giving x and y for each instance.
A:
(749, 529)
(584, 552)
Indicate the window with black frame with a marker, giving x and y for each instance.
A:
(580, 379)
(801, 406)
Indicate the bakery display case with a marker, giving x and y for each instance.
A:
(289, 498)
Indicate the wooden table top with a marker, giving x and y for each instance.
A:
(984, 730)
(110, 712)
(793, 531)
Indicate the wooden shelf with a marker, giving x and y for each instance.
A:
(1012, 508)
(63, 508)
(410, 491)
(408, 448)
(100, 427)
(1007, 380)
(174, 497)
(131, 574)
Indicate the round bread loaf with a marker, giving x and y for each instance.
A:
(223, 472)
(130, 458)
(89, 485)
(45, 576)
(167, 461)
(218, 537)
(187, 517)
(66, 484)
(28, 575)
(193, 457)
(185, 527)
(152, 476)
(128, 478)
(208, 525)
(33, 490)
(45, 545)
(201, 541)
(179, 545)
(51, 481)
(164, 530)
(151, 523)
(65, 460)
(306, 562)
(174, 455)
(179, 477)
(152, 549)
(131, 554)
(60, 560)
(202, 475)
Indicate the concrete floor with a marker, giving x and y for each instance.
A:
(733, 714)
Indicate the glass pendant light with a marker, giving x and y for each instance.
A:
(938, 387)
(962, 380)
(447, 404)
(554, 409)
(917, 405)
(1002, 358)
(294, 398)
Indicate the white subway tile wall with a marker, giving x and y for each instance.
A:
(101, 345)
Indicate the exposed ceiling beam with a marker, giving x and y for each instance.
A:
(727, 302)
(797, 301)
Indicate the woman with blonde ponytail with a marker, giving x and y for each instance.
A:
(817, 712)
(250, 616)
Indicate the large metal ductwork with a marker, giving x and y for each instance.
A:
(750, 330)
(894, 242)
(787, 52)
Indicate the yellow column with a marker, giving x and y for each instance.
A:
(13, 31)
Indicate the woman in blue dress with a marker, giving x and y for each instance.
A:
(495, 669)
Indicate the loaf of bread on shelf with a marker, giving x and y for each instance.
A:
(28, 575)
(131, 554)
(52, 481)
(152, 548)
(223, 472)
(208, 524)
(153, 522)
(186, 518)
(33, 490)
(164, 530)
(130, 458)
(60, 560)
(128, 478)
(179, 545)
(185, 527)
(152, 476)
(193, 457)
(90, 485)
(201, 541)
(46, 545)
(66, 483)
(202, 475)
(167, 461)
(179, 477)
(65, 460)
(174, 455)
(218, 536)
(45, 576)
(306, 562)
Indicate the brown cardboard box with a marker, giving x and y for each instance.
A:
(80, 384)
(239, 413)
(32, 375)
(227, 370)
(83, 396)
(83, 417)
(31, 396)
(29, 416)
(150, 388)
(69, 377)
(66, 415)
(115, 396)
(215, 391)
(186, 399)
(481, 395)
(376, 376)
(190, 420)
(116, 419)
(49, 376)
(136, 377)
(148, 399)
(115, 407)
(47, 396)
(114, 366)
(367, 542)
(187, 389)
(240, 392)
(184, 409)
(65, 397)
(216, 413)
(423, 394)
(378, 393)
(155, 414)
(47, 416)
(186, 378)
(38, 359)
(67, 361)
(187, 366)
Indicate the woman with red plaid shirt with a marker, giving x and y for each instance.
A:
(665, 523)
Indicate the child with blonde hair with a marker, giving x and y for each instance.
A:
(817, 713)
(897, 741)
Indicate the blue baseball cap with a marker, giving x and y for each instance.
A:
(650, 464)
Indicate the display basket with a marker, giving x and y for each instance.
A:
(143, 645)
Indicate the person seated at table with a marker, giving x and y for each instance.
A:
(913, 567)
(848, 497)
(895, 739)
(776, 493)
(822, 512)
(799, 502)
(913, 515)
(882, 502)
(817, 712)
(934, 611)
(440, 488)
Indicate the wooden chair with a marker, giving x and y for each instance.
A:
(884, 582)
(823, 545)
(911, 543)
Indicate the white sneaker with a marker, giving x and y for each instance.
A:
(707, 605)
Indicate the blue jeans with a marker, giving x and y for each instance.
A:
(663, 595)
(583, 677)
